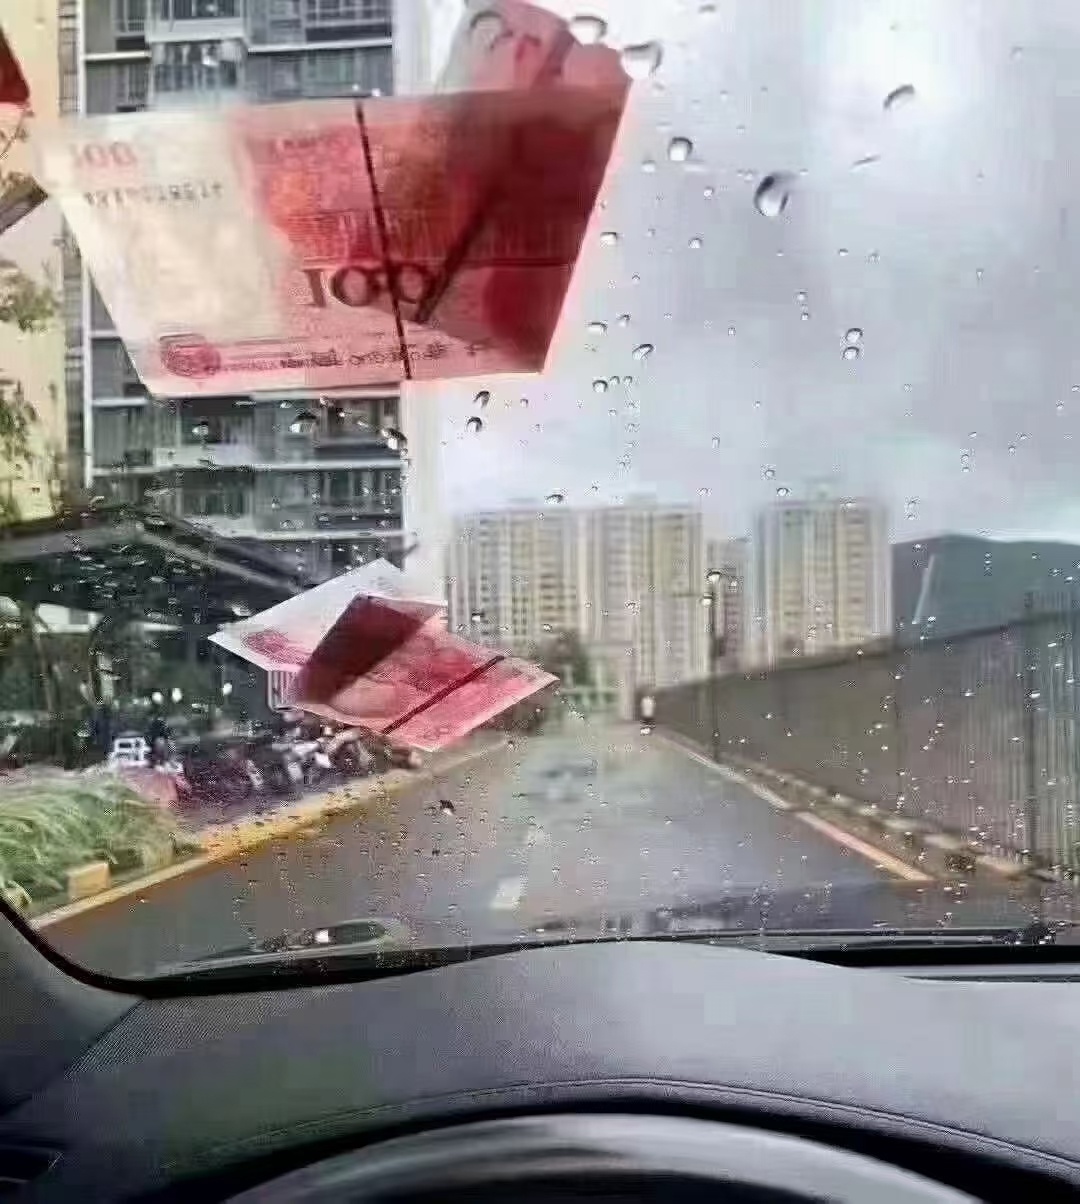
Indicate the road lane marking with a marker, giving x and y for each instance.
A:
(879, 857)
(763, 792)
(508, 896)
(889, 863)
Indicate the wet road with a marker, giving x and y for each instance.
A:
(497, 848)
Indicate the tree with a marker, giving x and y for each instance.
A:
(565, 656)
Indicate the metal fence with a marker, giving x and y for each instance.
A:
(979, 734)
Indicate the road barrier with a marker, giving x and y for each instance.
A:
(977, 734)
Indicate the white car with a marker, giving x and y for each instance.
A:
(129, 750)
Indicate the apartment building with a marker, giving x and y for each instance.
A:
(630, 579)
(822, 577)
(321, 479)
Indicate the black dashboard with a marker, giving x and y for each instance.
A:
(601, 1059)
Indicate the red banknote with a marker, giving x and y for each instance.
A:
(384, 668)
(337, 243)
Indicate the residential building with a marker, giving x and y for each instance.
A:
(726, 568)
(629, 579)
(318, 478)
(32, 364)
(821, 577)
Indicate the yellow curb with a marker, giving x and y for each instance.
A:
(220, 842)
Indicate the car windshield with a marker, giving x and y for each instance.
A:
(478, 468)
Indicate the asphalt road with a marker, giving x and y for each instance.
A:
(492, 850)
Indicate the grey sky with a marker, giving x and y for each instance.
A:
(955, 252)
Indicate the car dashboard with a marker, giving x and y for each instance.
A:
(650, 1069)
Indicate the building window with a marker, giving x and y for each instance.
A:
(129, 16)
(197, 10)
(347, 12)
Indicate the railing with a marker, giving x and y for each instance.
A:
(979, 734)
(356, 517)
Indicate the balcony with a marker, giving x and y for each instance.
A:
(377, 514)
(194, 20)
(209, 455)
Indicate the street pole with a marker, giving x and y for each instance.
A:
(1031, 790)
(715, 647)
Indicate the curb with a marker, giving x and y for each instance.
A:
(221, 842)
(915, 841)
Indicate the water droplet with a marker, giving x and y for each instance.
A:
(783, 491)
(873, 257)
(1012, 449)
(395, 439)
(475, 425)
(524, 403)
(556, 499)
(898, 98)
(446, 807)
(303, 424)
(865, 161)
(853, 336)
(641, 61)
(201, 430)
(588, 30)
(649, 166)
(852, 353)
(623, 319)
(609, 238)
(800, 297)
(482, 399)
(731, 332)
(477, 616)
(842, 252)
(643, 351)
(679, 150)
(769, 474)
(773, 193)
(709, 192)
(804, 316)
(696, 243)
(597, 328)
(716, 440)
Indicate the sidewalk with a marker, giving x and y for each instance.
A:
(230, 838)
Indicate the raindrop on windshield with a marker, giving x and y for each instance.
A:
(769, 474)
(201, 430)
(639, 62)
(555, 499)
(395, 440)
(482, 398)
(623, 319)
(446, 807)
(851, 353)
(710, 192)
(588, 30)
(609, 238)
(773, 193)
(643, 351)
(599, 386)
(303, 424)
(783, 491)
(475, 425)
(898, 98)
(649, 166)
(680, 149)
(695, 244)
(853, 336)
(597, 328)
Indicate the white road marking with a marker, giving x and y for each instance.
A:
(763, 792)
(878, 856)
(508, 896)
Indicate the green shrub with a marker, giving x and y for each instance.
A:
(50, 827)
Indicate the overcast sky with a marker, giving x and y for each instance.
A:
(955, 252)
